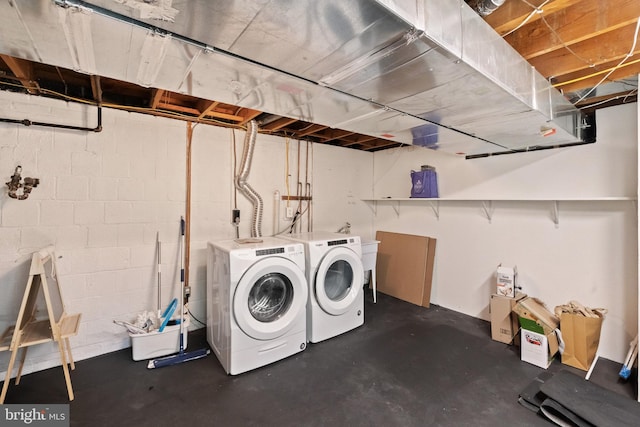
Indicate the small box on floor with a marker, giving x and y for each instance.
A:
(506, 281)
(504, 322)
(535, 348)
(539, 343)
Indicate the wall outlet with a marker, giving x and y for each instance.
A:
(288, 213)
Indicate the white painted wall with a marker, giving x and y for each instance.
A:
(104, 196)
(591, 256)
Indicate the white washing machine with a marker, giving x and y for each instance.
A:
(336, 277)
(256, 302)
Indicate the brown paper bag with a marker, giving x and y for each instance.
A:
(581, 337)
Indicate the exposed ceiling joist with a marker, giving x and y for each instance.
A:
(23, 70)
(579, 22)
(513, 13)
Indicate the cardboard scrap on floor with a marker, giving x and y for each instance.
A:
(405, 266)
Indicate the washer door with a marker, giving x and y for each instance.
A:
(339, 280)
(269, 298)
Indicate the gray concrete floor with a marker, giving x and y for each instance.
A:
(407, 366)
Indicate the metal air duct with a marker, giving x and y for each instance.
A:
(424, 72)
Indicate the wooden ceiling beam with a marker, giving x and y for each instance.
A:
(309, 130)
(579, 22)
(612, 46)
(23, 70)
(381, 143)
(156, 96)
(247, 115)
(357, 139)
(610, 99)
(514, 12)
(582, 80)
(206, 107)
(197, 114)
(278, 124)
(333, 134)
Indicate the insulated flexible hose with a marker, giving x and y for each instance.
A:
(241, 179)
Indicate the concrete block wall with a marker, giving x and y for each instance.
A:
(104, 198)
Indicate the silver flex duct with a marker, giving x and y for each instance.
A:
(241, 179)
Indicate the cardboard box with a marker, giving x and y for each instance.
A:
(506, 281)
(534, 348)
(534, 309)
(405, 266)
(504, 322)
(538, 343)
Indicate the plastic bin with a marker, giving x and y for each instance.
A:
(157, 344)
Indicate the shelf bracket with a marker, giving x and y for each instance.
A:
(555, 213)
(396, 207)
(373, 205)
(435, 206)
(487, 206)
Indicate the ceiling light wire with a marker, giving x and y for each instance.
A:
(627, 56)
(565, 45)
(536, 9)
(613, 98)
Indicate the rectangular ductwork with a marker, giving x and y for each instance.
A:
(424, 72)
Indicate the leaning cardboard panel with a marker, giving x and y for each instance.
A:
(404, 266)
(581, 336)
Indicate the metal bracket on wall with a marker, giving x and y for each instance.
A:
(396, 207)
(373, 205)
(435, 207)
(487, 206)
(555, 213)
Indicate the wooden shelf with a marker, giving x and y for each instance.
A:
(500, 199)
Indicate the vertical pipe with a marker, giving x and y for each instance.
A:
(187, 231)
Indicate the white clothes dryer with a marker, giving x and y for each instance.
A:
(336, 278)
(256, 302)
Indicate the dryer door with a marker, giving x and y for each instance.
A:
(269, 298)
(339, 280)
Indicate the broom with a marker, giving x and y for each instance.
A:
(182, 356)
(625, 371)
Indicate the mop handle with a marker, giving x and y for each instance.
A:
(182, 328)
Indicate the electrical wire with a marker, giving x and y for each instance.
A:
(536, 9)
(195, 318)
(624, 100)
(594, 74)
(540, 11)
(627, 56)
(294, 222)
(565, 45)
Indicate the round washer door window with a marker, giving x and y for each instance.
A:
(339, 280)
(269, 298)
